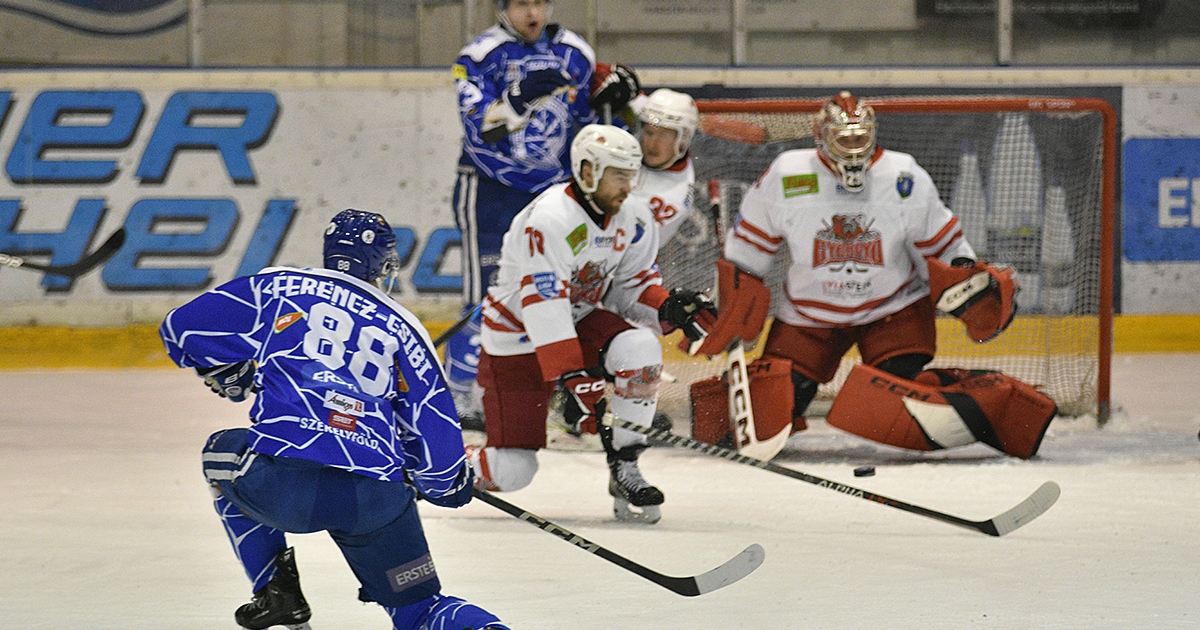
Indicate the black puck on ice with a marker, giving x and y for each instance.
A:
(864, 471)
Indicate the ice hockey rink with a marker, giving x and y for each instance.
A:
(106, 523)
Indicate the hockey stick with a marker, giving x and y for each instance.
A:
(731, 571)
(741, 411)
(1022, 513)
(106, 250)
(458, 325)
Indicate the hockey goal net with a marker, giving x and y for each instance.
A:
(1031, 179)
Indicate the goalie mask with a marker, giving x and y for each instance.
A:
(363, 245)
(675, 111)
(604, 147)
(844, 132)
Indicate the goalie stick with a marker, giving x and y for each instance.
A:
(731, 571)
(1022, 513)
(106, 250)
(741, 411)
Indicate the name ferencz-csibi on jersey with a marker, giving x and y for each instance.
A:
(346, 376)
(855, 257)
(536, 156)
(668, 195)
(556, 266)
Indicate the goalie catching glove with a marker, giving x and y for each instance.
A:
(584, 397)
(234, 381)
(690, 311)
(983, 296)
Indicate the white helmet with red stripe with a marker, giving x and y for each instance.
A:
(844, 132)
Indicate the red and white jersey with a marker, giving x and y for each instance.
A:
(668, 195)
(855, 257)
(556, 266)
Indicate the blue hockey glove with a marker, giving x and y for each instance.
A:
(535, 85)
(234, 381)
(457, 496)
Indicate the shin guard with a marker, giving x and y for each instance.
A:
(942, 409)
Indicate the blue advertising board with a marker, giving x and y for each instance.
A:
(1162, 200)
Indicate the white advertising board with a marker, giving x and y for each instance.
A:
(216, 175)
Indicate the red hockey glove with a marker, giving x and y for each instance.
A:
(691, 311)
(613, 86)
(584, 396)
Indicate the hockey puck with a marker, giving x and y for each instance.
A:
(864, 471)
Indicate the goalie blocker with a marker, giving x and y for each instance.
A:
(943, 408)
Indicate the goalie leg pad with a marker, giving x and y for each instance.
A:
(744, 304)
(771, 398)
(967, 406)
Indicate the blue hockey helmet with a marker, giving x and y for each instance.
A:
(362, 245)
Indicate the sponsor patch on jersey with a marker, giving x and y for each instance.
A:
(458, 71)
(401, 384)
(796, 185)
(411, 574)
(904, 184)
(283, 321)
(577, 239)
(343, 403)
(604, 241)
(342, 421)
(546, 284)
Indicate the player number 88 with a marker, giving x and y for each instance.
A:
(330, 329)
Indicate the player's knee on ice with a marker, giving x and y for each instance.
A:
(505, 469)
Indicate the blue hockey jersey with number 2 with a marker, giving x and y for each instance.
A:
(346, 376)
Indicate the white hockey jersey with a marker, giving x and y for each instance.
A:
(556, 266)
(855, 257)
(668, 195)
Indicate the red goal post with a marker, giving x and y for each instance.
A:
(1033, 180)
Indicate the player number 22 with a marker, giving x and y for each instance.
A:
(330, 329)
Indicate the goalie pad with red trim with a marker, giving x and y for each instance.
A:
(770, 398)
(942, 409)
(744, 304)
(982, 295)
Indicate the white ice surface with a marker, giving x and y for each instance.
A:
(105, 522)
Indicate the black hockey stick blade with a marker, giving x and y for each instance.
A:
(458, 325)
(1022, 513)
(106, 250)
(731, 571)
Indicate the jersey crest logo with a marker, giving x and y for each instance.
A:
(577, 239)
(587, 283)
(283, 321)
(847, 240)
(796, 185)
(904, 184)
(639, 231)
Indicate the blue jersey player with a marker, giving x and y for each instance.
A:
(351, 402)
(525, 87)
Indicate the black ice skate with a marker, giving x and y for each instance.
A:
(634, 499)
(280, 602)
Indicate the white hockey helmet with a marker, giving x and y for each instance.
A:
(844, 132)
(672, 110)
(604, 146)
